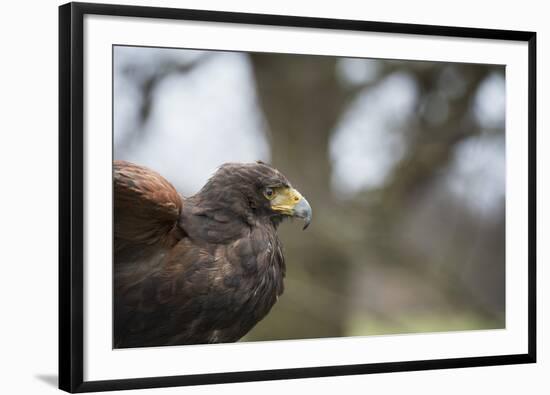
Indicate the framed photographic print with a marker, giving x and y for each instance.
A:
(253, 197)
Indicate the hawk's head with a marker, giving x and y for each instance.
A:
(256, 189)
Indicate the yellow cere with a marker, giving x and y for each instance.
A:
(284, 199)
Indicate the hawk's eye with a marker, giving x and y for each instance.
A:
(269, 193)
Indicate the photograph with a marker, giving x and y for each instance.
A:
(275, 197)
(263, 196)
(248, 197)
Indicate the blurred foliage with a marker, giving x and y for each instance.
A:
(421, 249)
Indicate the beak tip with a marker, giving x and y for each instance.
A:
(303, 210)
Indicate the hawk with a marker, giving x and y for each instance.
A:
(201, 269)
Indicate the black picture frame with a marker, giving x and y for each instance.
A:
(71, 204)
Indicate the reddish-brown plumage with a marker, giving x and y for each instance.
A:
(146, 205)
(203, 269)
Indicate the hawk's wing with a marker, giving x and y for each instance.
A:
(146, 212)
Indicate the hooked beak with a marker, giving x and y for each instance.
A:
(289, 201)
(303, 210)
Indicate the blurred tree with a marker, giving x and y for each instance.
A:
(302, 101)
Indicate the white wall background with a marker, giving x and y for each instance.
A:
(28, 195)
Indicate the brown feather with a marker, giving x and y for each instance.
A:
(146, 207)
